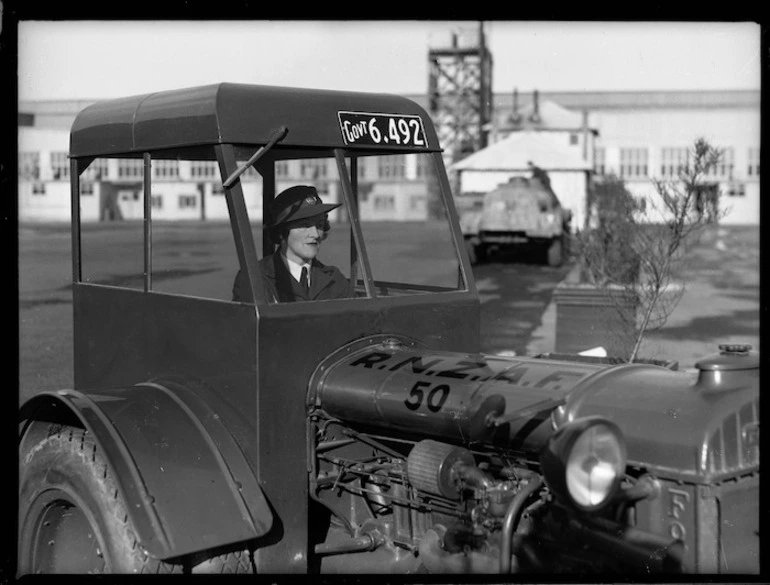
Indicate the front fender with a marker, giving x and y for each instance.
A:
(187, 485)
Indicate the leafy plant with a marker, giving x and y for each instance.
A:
(633, 247)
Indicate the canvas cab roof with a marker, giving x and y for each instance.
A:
(250, 115)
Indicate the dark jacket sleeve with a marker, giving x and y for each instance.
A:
(241, 286)
(343, 288)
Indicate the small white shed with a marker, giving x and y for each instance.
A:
(485, 169)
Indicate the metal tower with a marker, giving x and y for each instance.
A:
(460, 95)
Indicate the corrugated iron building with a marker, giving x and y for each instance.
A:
(635, 135)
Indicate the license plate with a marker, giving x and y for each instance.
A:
(362, 128)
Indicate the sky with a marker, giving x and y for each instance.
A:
(103, 59)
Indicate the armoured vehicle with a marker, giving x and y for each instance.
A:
(360, 435)
(524, 213)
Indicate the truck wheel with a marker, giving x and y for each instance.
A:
(72, 518)
(555, 252)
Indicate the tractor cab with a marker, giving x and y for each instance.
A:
(378, 157)
(395, 235)
(167, 317)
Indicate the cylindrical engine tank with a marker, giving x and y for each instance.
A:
(393, 385)
(397, 387)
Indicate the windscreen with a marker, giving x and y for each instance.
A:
(405, 225)
(406, 236)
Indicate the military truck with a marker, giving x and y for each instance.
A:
(358, 435)
(523, 213)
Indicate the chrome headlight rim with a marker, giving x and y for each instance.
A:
(558, 460)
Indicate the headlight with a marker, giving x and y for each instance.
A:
(584, 462)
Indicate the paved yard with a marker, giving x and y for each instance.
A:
(721, 303)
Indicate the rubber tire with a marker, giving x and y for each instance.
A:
(61, 468)
(554, 255)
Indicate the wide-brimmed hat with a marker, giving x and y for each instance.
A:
(298, 202)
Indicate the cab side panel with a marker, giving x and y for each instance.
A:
(124, 337)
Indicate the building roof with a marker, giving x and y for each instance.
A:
(626, 100)
(572, 100)
(549, 116)
(515, 152)
(632, 100)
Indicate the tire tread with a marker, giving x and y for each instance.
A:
(80, 444)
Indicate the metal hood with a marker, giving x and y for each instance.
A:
(701, 426)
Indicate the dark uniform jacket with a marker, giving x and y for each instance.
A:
(326, 282)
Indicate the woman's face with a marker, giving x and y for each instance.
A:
(304, 239)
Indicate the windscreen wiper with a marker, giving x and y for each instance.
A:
(277, 136)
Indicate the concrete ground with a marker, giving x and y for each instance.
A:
(720, 304)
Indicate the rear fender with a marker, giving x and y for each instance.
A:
(187, 485)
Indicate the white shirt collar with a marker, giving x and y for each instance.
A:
(296, 269)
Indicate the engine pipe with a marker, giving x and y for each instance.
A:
(511, 520)
(473, 476)
(364, 543)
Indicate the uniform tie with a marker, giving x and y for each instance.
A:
(303, 281)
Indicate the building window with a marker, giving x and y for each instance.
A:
(156, 201)
(313, 168)
(725, 166)
(217, 189)
(188, 201)
(391, 166)
(60, 165)
(633, 162)
(385, 202)
(736, 190)
(38, 188)
(98, 170)
(673, 161)
(166, 169)
(415, 202)
(573, 139)
(129, 195)
(86, 188)
(130, 168)
(203, 169)
(600, 154)
(29, 166)
(282, 168)
(753, 170)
